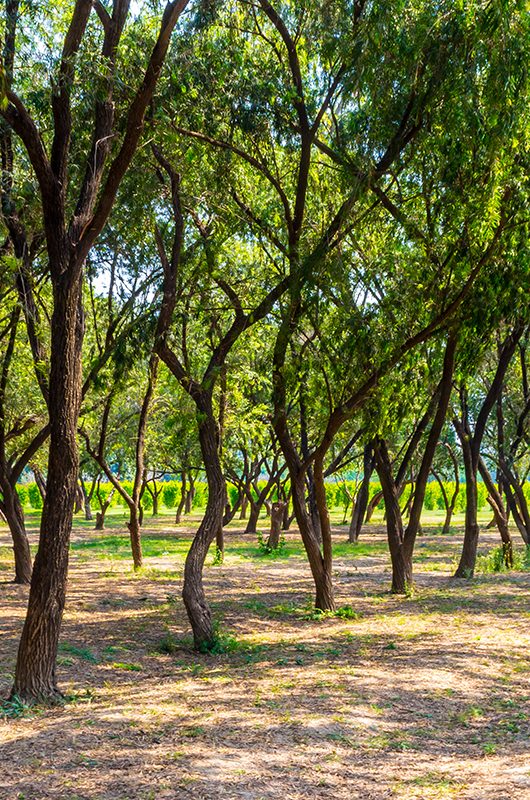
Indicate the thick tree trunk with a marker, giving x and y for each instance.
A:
(15, 519)
(35, 678)
(361, 501)
(197, 607)
(253, 517)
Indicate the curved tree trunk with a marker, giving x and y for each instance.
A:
(14, 515)
(197, 607)
(372, 505)
(499, 513)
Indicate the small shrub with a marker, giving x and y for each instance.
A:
(171, 494)
(15, 708)
(34, 496)
(266, 550)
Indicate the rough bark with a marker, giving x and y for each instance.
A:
(277, 510)
(193, 594)
(68, 244)
(35, 678)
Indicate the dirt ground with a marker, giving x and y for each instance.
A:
(421, 697)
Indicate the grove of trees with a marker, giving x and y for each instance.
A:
(257, 252)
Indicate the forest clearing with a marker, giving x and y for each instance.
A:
(264, 399)
(421, 697)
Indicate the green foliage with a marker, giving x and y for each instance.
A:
(34, 496)
(15, 708)
(22, 491)
(494, 561)
(79, 652)
(201, 495)
(171, 494)
(266, 550)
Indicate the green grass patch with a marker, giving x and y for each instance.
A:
(79, 652)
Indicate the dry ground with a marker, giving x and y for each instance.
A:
(421, 697)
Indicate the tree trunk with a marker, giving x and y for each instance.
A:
(361, 501)
(35, 678)
(183, 494)
(466, 566)
(188, 506)
(372, 505)
(324, 599)
(134, 526)
(277, 510)
(86, 503)
(14, 516)
(244, 508)
(444, 396)
(499, 513)
(40, 481)
(220, 543)
(286, 521)
(401, 578)
(253, 517)
(79, 499)
(197, 607)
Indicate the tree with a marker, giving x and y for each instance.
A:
(73, 215)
